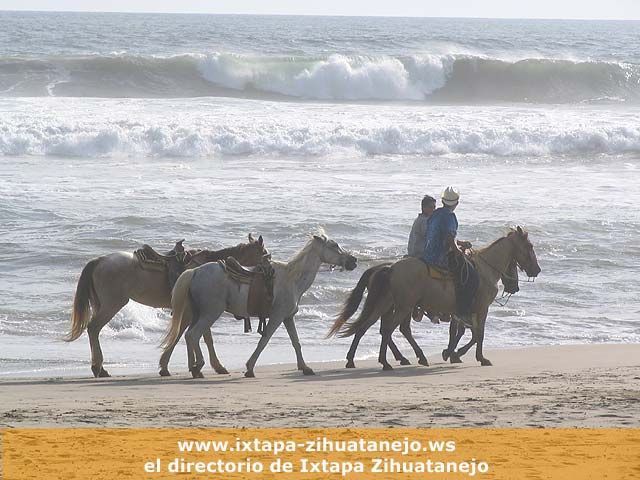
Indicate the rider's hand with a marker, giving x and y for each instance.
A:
(465, 245)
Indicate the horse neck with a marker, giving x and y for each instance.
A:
(226, 252)
(497, 258)
(303, 268)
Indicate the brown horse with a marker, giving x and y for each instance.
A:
(107, 284)
(408, 283)
(509, 280)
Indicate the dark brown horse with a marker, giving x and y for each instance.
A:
(107, 284)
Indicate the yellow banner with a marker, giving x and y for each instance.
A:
(321, 453)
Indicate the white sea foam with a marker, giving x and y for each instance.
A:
(522, 133)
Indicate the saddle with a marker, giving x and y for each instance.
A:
(174, 262)
(439, 273)
(260, 281)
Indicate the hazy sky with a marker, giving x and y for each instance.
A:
(611, 9)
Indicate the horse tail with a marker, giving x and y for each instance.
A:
(353, 300)
(378, 301)
(84, 300)
(181, 306)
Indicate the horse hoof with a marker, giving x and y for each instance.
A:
(249, 374)
(485, 362)
(308, 371)
(350, 364)
(95, 370)
(222, 371)
(455, 358)
(445, 355)
(387, 367)
(423, 361)
(196, 374)
(103, 373)
(164, 372)
(404, 361)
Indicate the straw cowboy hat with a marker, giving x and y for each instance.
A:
(450, 196)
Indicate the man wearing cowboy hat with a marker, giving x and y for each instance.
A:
(442, 230)
(443, 250)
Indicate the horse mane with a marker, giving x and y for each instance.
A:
(295, 265)
(511, 231)
(480, 250)
(320, 232)
(215, 255)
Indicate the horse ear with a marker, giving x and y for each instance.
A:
(520, 230)
(251, 240)
(260, 240)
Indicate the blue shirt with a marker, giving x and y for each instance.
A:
(441, 224)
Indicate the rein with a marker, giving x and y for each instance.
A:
(505, 297)
(502, 273)
(503, 300)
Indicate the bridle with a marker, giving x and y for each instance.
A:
(337, 250)
(504, 274)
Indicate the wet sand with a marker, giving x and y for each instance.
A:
(559, 386)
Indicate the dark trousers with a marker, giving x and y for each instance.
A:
(466, 280)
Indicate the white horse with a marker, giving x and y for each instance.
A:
(207, 291)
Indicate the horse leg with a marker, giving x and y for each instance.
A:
(269, 330)
(474, 338)
(194, 332)
(479, 324)
(356, 341)
(290, 324)
(166, 355)
(213, 358)
(456, 331)
(388, 325)
(462, 351)
(352, 350)
(98, 321)
(397, 354)
(405, 329)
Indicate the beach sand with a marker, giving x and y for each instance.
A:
(559, 386)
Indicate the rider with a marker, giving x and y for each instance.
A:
(417, 240)
(418, 235)
(441, 240)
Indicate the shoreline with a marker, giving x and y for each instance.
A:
(551, 386)
(121, 370)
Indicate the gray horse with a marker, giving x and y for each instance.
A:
(107, 284)
(206, 292)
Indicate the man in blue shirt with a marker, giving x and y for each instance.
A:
(442, 229)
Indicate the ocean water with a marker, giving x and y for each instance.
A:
(123, 129)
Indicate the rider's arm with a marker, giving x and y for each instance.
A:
(451, 241)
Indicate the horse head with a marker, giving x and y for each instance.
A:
(525, 255)
(333, 254)
(253, 252)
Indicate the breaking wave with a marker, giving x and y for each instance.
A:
(136, 139)
(438, 78)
